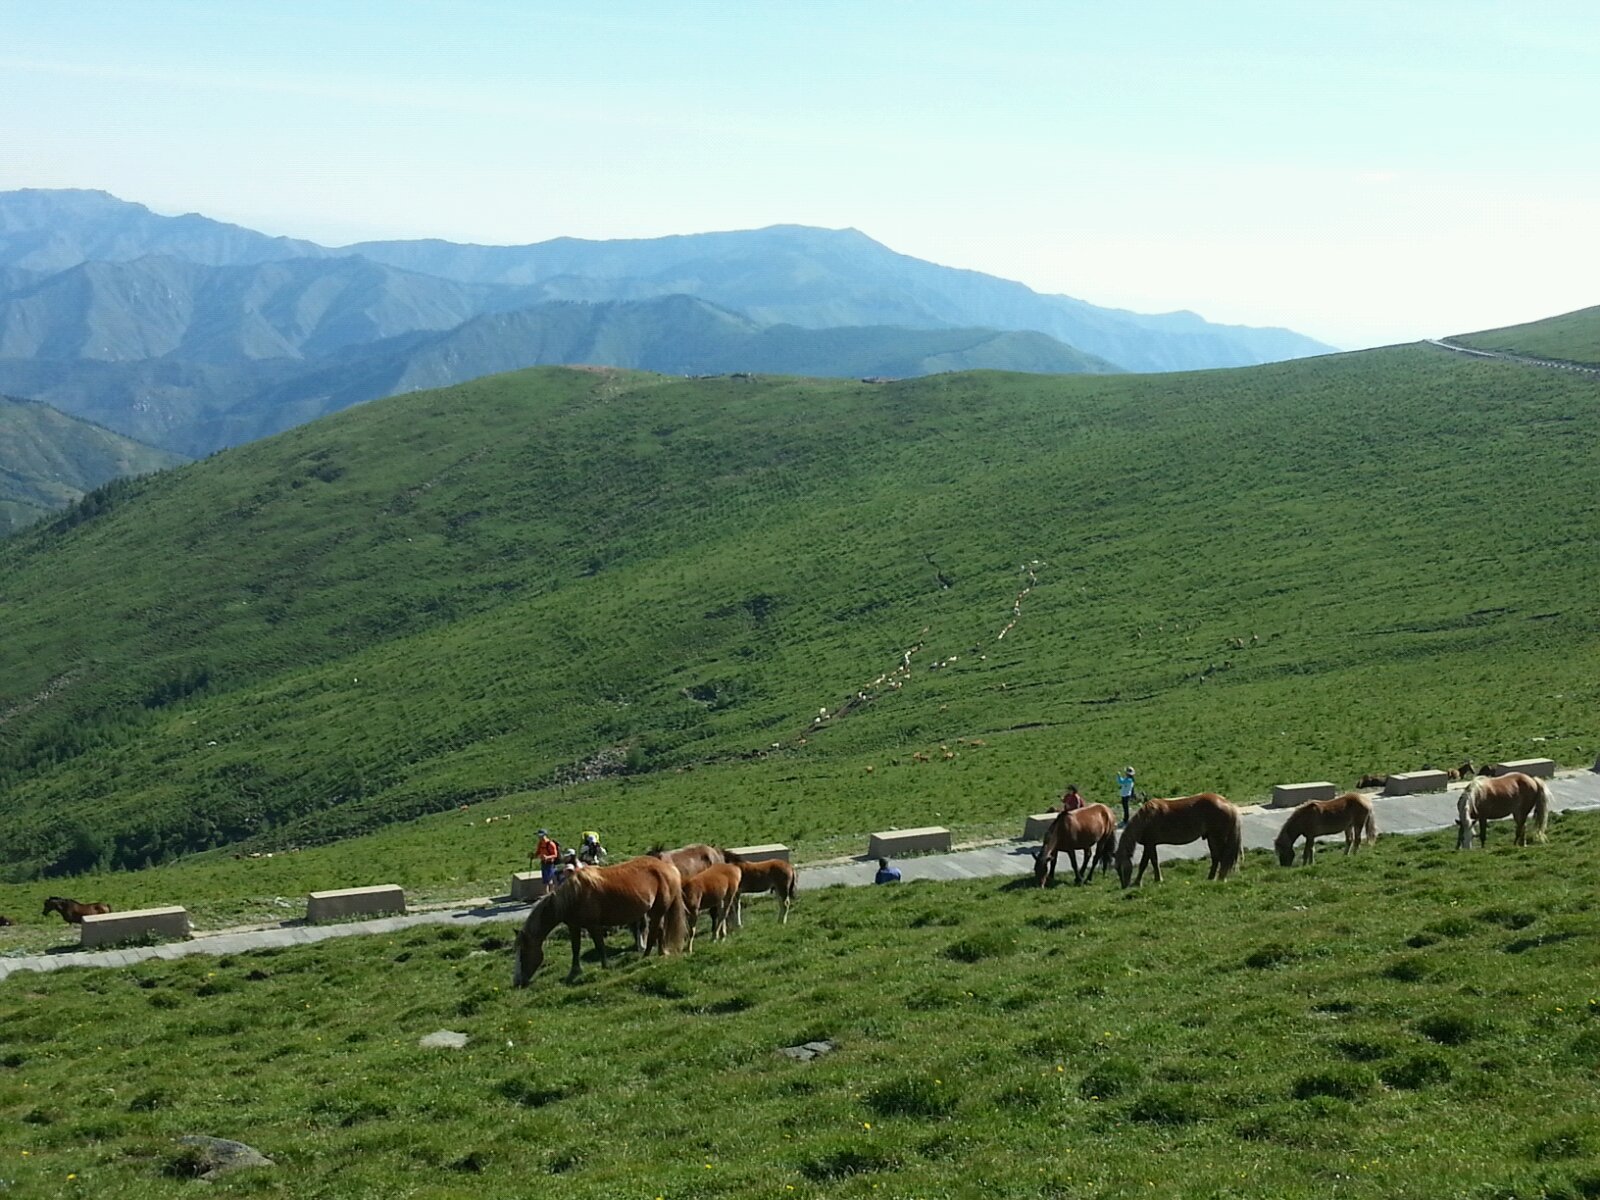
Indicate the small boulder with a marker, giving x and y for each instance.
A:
(210, 1158)
(808, 1051)
(443, 1039)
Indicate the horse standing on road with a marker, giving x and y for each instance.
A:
(1349, 814)
(1488, 798)
(1177, 822)
(1092, 829)
(72, 912)
(645, 890)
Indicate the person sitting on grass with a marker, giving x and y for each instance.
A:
(886, 873)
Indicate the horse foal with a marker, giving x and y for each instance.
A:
(1349, 814)
(716, 891)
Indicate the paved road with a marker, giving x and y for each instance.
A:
(1553, 364)
(1401, 814)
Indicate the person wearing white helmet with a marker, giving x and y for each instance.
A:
(1125, 790)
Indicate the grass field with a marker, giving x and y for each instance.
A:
(1414, 1022)
(1294, 571)
(1571, 337)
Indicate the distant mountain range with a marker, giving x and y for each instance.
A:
(48, 460)
(192, 334)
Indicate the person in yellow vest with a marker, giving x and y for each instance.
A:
(591, 853)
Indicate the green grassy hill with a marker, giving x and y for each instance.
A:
(1571, 337)
(1410, 1022)
(655, 586)
(48, 460)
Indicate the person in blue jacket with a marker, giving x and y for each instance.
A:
(886, 873)
(1125, 789)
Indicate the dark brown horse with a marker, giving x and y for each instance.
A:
(769, 875)
(1092, 829)
(4, 921)
(597, 898)
(71, 911)
(1349, 814)
(716, 891)
(1176, 823)
(1370, 780)
(1489, 798)
(690, 860)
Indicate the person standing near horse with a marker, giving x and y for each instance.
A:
(548, 852)
(592, 853)
(1070, 800)
(1125, 790)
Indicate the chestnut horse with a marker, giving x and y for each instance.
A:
(716, 890)
(1489, 798)
(1349, 814)
(596, 898)
(71, 911)
(769, 875)
(1092, 829)
(1176, 823)
(690, 860)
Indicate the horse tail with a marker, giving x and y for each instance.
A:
(1230, 844)
(1469, 797)
(1541, 810)
(1370, 829)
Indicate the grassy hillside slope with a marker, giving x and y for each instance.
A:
(1297, 571)
(48, 460)
(1571, 337)
(1411, 1022)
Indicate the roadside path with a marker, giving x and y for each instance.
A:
(1572, 791)
(1554, 364)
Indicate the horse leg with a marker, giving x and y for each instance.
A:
(1522, 829)
(1311, 849)
(577, 949)
(1072, 861)
(639, 943)
(785, 900)
(1483, 832)
(598, 936)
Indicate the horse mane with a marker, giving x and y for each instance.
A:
(658, 850)
(729, 857)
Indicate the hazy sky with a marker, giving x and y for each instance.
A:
(1362, 172)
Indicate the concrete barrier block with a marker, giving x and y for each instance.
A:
(1539, 768)
(765, 852)
(527, 886)
(384, 900)
(908, 841)
(1410, 783)
(1292, 795)
(105, 929)
(1037, 825)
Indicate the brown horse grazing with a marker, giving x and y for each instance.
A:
(1464, 771)
(1349, 814)
(1488, 798)
(690, 860)
(596, 898)
(1092, 829)
(1178, 822)
(716, 890)
(769, 875)
(1370, 780)
(71, 911)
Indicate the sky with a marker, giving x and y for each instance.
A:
(1361, 172)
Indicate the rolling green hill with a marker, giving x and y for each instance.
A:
(1296, 571)
(48, 460)
(1571, 337)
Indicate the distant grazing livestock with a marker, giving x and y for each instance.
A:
(1489, 798)
(716, 891)
(71, 911)
(1092, 829)
(769, 875)
(1370, 780)
(1349, 814)
(4, 921)
(1176, 823)
(597, 898)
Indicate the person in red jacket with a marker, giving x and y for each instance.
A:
(548, 852)
(1071, 800)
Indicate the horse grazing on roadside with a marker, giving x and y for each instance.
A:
(1370, 780)
(71, 911)
(1092, 829)
(1465, 771)
(1488, 798)
(645, 889)
(1349, 814)
(714, 890)
(690, 860)
(1176, 823)
(769, 875)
